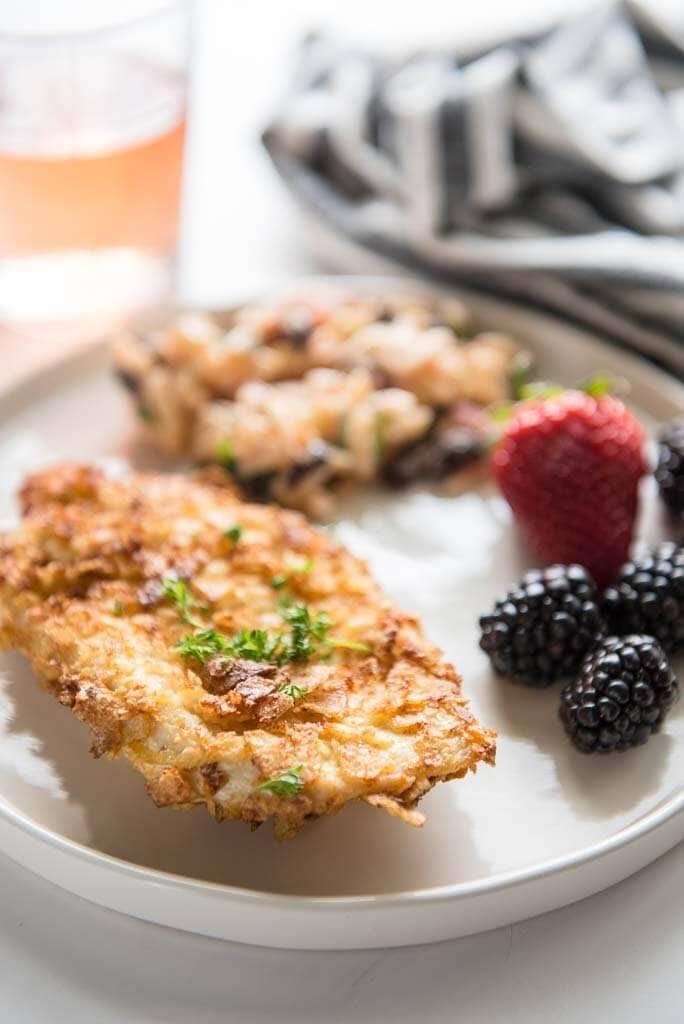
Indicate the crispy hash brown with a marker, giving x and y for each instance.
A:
(235, 655)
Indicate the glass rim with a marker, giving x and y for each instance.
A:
(49, 37)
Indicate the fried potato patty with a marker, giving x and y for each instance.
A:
(235, 655)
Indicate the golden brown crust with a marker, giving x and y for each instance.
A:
(81, 596)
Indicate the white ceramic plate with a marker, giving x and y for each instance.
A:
(545, 827)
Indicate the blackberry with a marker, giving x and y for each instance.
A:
(669, 472)
(541, 629)
(623, 693)
(648, 597)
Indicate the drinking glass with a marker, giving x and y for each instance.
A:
(92, 131)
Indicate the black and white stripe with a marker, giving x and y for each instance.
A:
(549, 166)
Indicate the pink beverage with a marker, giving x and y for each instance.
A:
(92, 130)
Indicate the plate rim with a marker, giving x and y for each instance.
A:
(646, 824)
(15, 393)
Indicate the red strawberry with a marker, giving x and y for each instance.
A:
(569, 466)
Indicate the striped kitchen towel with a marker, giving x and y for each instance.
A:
(548, 168)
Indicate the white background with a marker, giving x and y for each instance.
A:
(616, 957)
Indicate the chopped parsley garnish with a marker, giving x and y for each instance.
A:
(178, 593)
(225, 454)
(294, 691)
(308, 631)
(303, 620)
(202, 645)
(233, 533)
(250, 644)
(308, 636)
(118, 608)
(289, 783)
(279, 581)
(256, 645)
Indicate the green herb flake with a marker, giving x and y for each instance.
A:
(146, 413)
(300, 617)
(118, 608)
(307, 637)
(501, 413)
(233, 533)
(203, 644)
(308, 630)
(539, 390)
(519, 374)
(348, 645)
(380, 437)
(294, 691)
(178, 593)
(249, 644)
(257, 645)
(289, 783)
(601, 384)
(225, 454)
(303, 568)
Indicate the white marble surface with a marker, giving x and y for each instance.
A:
(614, 958)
